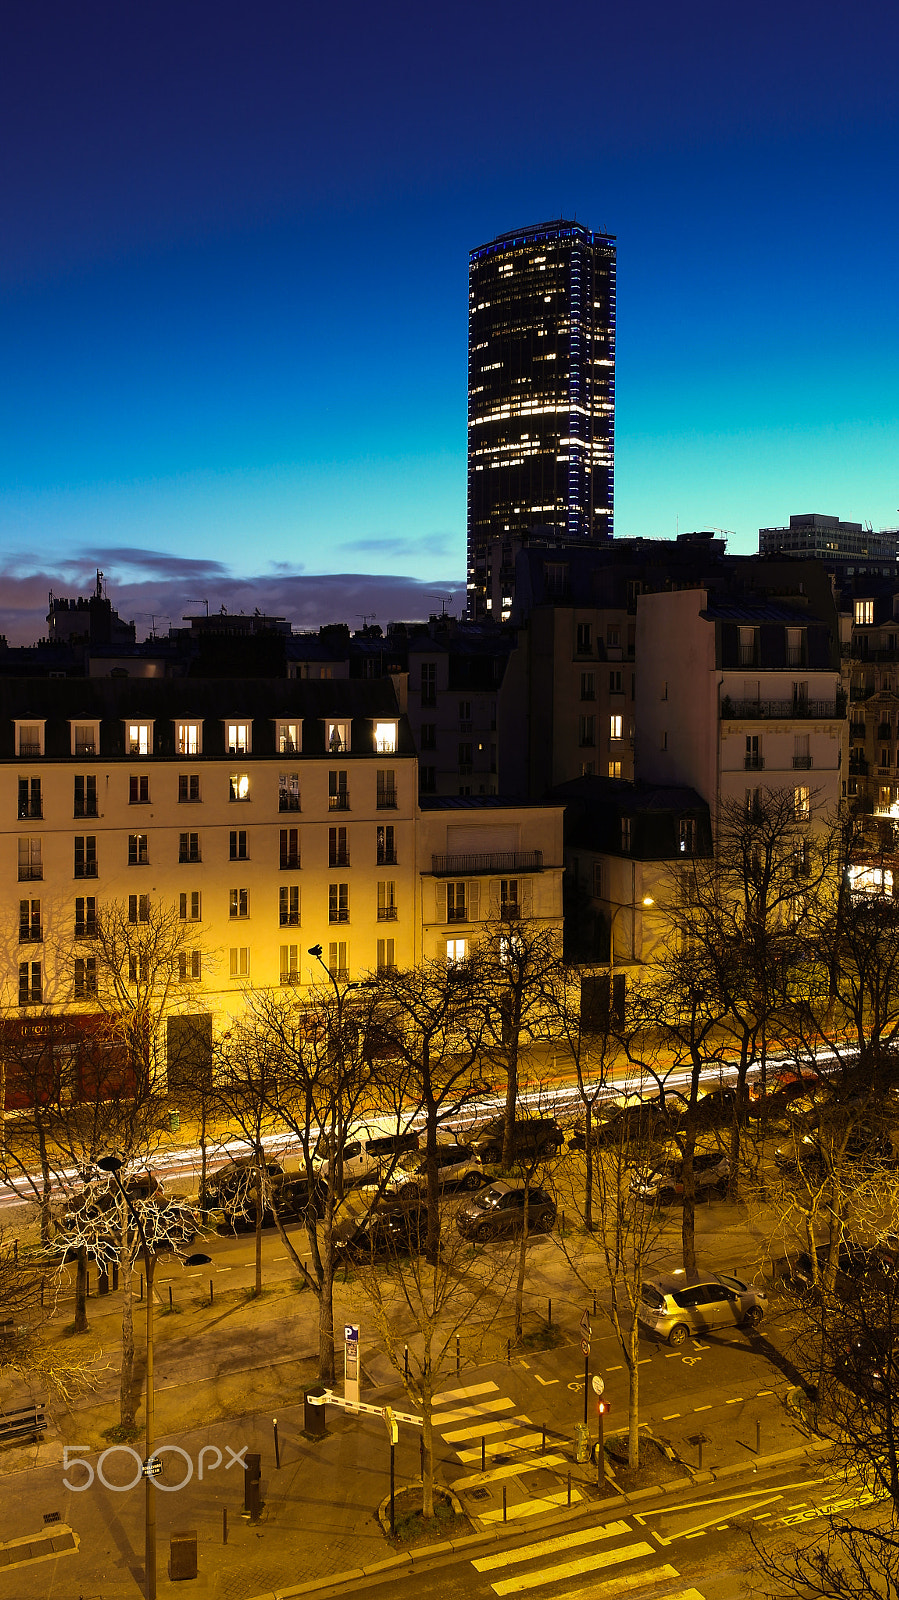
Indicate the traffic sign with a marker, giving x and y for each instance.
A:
(585, 1347)
(598, 1385)
(152, 1467)
(392, 1428)
(585, 1324)
(350, 1333)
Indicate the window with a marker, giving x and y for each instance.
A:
(188, 788)
(386, 851)
(85, 917)
(338, 964)
(686, 836)
(188, 847)
(587, 731)
(85, 795)
(465, 714)
(30, 799)
(613, 634)
(455, 951)
(338, 798)
(188, 738)
(85, 977)
(800, 699)
(30, 983)
(239, 962)
(138, 908)
(138, 738)
(288, 738)
(465, 761)
(237, 738)
(864, 613)
(584, 638)
(338, 902)
(615, 682)
(239, 786)
(753, 803)
(754, 760)
(386, 957)
(289, 905)
(749, 651)
(795, 647)
(615, 727)
(664, 693)
(429, 736)
(599, 890)
(139, 967)
(614, 770)
(290, 849)
(239, 903)
(85, 855)
(338, 850)
(802, 802)
(387, 901)
(189, 966)
(190, 906)
(385, 738)
(139, 790)
(429, 683)
(85, 738)
(290, 963)
(588, 685)
(30, 922)
(427, 780)
(626, 833)
(387, 789)
(237, 846)
(30, 865)
(455, 902)
(508, 897)
(138, 849)
(337, 737)
(29, 738)
(288, 791)
(801, 756)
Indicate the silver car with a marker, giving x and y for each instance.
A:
(678, 1303)
(457, 1164)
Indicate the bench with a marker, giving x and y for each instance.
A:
(29, 1422)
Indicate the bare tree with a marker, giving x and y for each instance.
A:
(519, 969)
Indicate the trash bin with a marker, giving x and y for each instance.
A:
(581, 1442)
(183, 1556)
(174, 1121)
(313, 1414)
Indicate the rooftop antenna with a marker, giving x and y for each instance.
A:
(206, 604)
(365, 616)
(99, 589)
(444, 599)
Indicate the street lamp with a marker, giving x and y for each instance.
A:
(112, 1165)
(626, 905)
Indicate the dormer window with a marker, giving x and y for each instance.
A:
(238, 738)
(85, 738)
(288, 736)
(385, 738)
(29, 738)
(337, 737)
(864, 613)
(189, 738)
(139, 738)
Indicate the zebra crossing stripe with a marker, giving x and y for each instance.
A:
(445, 1395)
(485, 1430)
(532, 1508)
(512, 1469)
(523, 1441)
(551, 1547)
(626, 1581)
(485, 1407)
(572, 1569)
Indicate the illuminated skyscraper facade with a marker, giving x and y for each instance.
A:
(541, 393)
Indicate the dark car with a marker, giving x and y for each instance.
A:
(531, 1137)
(634, 1119)
(235, 1180)
(856, 1264)
(711, 1173)
(381, 1234)
(503, 1208)
(806, 1154)
(290, 1197)
(781, 1086)
(866, 1364)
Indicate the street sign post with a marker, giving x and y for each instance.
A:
(585, 1324)
(351, 1362)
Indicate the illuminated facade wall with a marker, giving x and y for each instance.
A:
(541, 392)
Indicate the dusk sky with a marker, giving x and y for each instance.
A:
(233, 280)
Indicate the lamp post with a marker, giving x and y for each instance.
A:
(624, 905)
(112, 1165)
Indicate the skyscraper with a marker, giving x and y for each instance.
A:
(541, 393)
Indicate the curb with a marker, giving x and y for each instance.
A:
(459, 1549)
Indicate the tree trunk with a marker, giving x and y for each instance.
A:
(519, 1282)
(46, 1181)
(633, 1400)
(514, 1031)
(258, 1288)
(126, 1384)
(427, 1433)
(326, 1315)
(588, 1163)
(81, 1324)
(433, 1186)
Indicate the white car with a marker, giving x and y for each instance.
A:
(457, 1165)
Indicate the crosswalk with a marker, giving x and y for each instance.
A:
(584, 1556)
(513, 1455)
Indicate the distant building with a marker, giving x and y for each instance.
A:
(843, 547)
(541, 393)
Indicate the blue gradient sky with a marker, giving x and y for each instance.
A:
(233, 279)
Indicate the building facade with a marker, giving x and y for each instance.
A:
(541, 392)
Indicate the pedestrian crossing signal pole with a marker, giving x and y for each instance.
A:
(601, 1408)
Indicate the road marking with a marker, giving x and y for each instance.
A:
(671, 1355)
(545, 1381)
(465, 1394)
(512, 1470)
(551, 1547)
(615, 1369)
(443, 1418)
(683, 1594)
(737, 1402)
(761, 1394)
(484, 1430)
(572, 1569)
(525, 1441)
(531, 1508)
(701, 1408)
(671, 1416)
(627, 1580)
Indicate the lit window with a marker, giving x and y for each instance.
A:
(189, 966)
(29, 738)
(870, 880)
(288, 738)
(864, 613)
(85, 738)
(189, 738)
(337, 737)
(455, 951)
(239, 903)
(238, 738)
(338, 962)
(387, 901)
(290, 966)
(386, 957)
(139, 738)
(239, 786)
(615, 724)
(385, 738)
(802, 802)
(239, 962)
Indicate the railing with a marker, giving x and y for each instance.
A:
(749, 656)
(387, 913)
(290, 919)
(31, 811)
(387, 858)
(786, 710)
(339, 802)
(85, 930)
(28, 749)
(493, 861)
(86, 869)
(186, 858)
(339, 916)
(339, 858)
(290, 861)
(802, 763)
(85, 808)
(858, 766)
(754, 763)
(456, 914)
(387, 799)
(291, 802)
(885, 731)
(30, 872)
(30, 936)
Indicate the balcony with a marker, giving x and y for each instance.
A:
(290, 861)
(387, 913)
(754, 763)
(387, 799)
(339, 802)
(495, 861)
(780, 710)
(802, 763)
(85, 748)
(27, 748)
(858, 766)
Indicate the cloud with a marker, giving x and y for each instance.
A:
(184, 586)
(156, 563)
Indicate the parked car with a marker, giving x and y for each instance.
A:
(367, 1148)
(806, 1154)
(856, 1264)
(290, 1197)
(631, 1119)
(380, 1234)
(782, 1085)
(501, 1210)
(531, 1137)
(867, 1364)
(234, 1180)
(675, 1304)
(711, 1171)
(458, 1166)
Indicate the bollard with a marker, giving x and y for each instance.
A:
(549, 1313)
(458, 1355)
(142, 1286)
(277, 1448)
(170, 1297)
(758, 1438)
(224, 1524)
(251, 1492)
(211, 1295)
(406, 1362)
(508, 1352)
(483, 1454)
(504, 1502)
(569, 1488)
